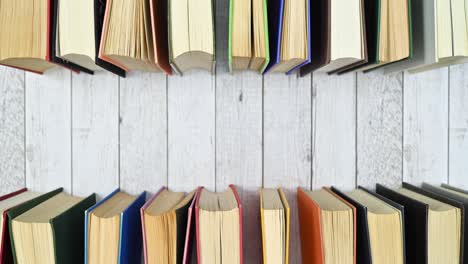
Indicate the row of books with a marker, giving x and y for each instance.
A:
(406, 225)
(286, 36)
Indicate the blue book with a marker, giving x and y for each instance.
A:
(309, 42)
(275, 30)
(130, 244)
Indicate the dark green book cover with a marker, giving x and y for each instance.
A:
(22, 208)
(68, 232)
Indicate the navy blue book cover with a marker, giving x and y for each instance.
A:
(131, 243)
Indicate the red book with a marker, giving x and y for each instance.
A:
(6, 256)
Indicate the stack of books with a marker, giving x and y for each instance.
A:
(410, 224)
(282, 36)
(406, 225)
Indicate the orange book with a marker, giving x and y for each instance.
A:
(327, 227)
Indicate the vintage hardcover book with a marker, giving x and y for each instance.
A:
(218, 219)
(116, 222)
(99, 13)
(327, 227)
(391, 40)
(8, 202)
(52, 232)
(342, 45)
(433, 224)
(166, 223)
(288, 25)
(22, 208)
(191, 35)
(248, 46)
(380, 227)
(275, 216)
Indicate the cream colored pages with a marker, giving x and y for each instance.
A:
(17, 40)
(179, 23)
(201, 31)
(241, 29)
(12, 202)
(460, 38)
(346, 29)
(76, 27)
(294, 37)
(444, 29)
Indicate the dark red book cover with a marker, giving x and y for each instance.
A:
(6, 256)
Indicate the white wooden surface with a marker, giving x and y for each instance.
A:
(95, 133)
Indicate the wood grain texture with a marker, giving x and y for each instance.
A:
(334, 131)
(143, 132)
(191, 131)
(239, 136)
(425, 141)
(287, 136)
(379, 129)
(458, 126)
(48, 130)
(12, 153)
(95, 134)
(239, 149)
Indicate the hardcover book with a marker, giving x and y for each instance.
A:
(116, 222)
(52, 232)
(248, 35)
(339, 34)
(275, 216)
(8, 202)
(433, 225)
(191, 35)
(166, 222)
(218, 219)
(380, 227)
(327, 227)
(22, 208)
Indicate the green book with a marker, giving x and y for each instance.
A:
(54, 228)
(248, 42)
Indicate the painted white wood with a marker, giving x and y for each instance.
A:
(425, 140)
(95, 134)
(379, 129)
(48, 130)
(12, 153)
(239, 148)
(143, 132)
(334, 131)
(287, 141)
(191, 131)
(458, 126)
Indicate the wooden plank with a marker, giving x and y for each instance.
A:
(143, 132)
(379, 129)
(425, 136)
(48, 130)
(334, 131)
(95, 134)
(458, 128)
(12, 153)
(191, 131)
(239, 148)
(287, 141)
(239, 136)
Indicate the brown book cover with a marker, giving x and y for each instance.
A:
(311, 227)
(159, 26)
